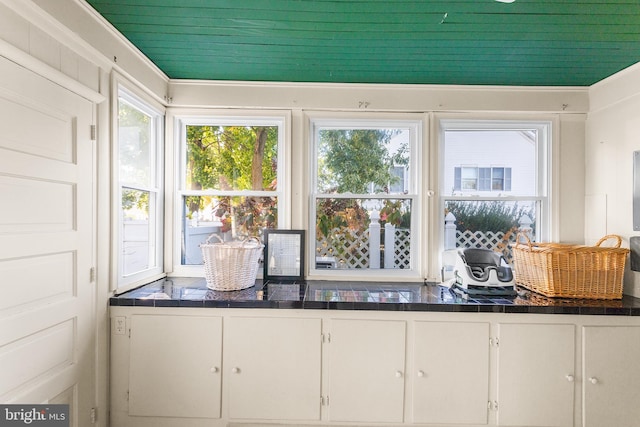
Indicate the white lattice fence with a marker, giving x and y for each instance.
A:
(402, 249)
(497, 241)
(350, 248)
(487, 240)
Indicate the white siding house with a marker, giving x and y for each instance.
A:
(512, 150)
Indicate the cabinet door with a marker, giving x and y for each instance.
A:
(366, 370)
(274, 368)
(451, 367)
(175, 366)
(611, 377)
(536, 366)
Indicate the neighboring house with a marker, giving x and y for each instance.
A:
(494, 162)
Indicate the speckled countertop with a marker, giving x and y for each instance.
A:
(339, 295)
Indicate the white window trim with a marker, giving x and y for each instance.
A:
(138, 98)
(177, 120)
(546, 183)
(418, 125)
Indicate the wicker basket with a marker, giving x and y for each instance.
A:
(231, 266)
(570, 271)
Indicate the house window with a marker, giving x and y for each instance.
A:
(472, 178)
(490, 204)
(139, 193)
(500, 179)
(231, 181)
(364, 195)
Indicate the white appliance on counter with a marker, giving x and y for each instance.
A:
(475, 271)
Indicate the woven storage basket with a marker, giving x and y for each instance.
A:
(231, 266)
(570, 271)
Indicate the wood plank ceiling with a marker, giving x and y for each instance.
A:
(470, 42)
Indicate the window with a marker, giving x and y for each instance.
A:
(364, 193)
(487, 204)
(470, 178)
(231, 181)
(139, 193)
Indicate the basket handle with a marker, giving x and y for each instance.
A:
(526, 237)
(611, 236)
(214, 235)
(249, 239)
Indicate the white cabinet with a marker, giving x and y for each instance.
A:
(213, 368)
(366, 370)
(536, 372)
(273, 367)
(175, 366)
(450, 372)
(611, 378)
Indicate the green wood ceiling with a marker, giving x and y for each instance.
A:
(477, 42)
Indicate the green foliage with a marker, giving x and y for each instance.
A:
(222, 157)
(350, 160)
(134, 199)
(395, 212)
(254, 214)
(357, 161)
(234, 158)
(334, 213)
(494, 216)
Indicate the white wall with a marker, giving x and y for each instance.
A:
(114, 51)
(612, 135)
(26, 34)
(64, 42)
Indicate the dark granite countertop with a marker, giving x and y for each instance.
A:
(338, 295)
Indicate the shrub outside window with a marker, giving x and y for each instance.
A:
(487, 206)
(365, 204)
(230, 183)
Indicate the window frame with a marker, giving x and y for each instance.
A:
(417, 125)
(180, 119)
(544, 168)
(136, 98)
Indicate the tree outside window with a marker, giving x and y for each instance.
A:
(230, 182)
(361, 184)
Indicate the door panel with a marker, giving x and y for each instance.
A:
(273, 366)
(46, 243)
(611, 389)
(451, 365)
(536, 371)
(366, 370)
(175, 367)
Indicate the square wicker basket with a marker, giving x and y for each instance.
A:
(570, 271)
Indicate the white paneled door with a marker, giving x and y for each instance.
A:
(47, 324)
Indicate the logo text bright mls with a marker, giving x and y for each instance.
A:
(35, 415)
